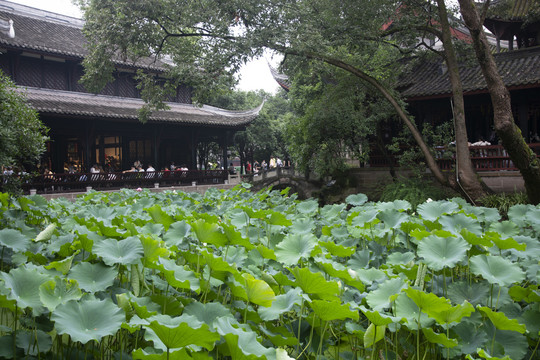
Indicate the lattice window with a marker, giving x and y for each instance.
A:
(77, 74)
(4, 65)
(183, 94)
(29, 72)
(126, 86)
(108, 89)
(55, 75)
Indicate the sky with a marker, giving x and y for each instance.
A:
(253, 76)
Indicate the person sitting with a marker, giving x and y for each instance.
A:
(232, 169)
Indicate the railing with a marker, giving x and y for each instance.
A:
(54, 183)
(484, 158)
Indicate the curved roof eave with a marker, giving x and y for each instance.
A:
(47, 101)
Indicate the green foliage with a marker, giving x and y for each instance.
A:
(22, 135)
(504, 201)
(239, 275)
(415, 190)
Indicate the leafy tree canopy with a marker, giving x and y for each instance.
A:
(22, 134)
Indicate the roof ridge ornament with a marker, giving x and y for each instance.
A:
(7, 26)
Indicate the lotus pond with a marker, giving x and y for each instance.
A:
(240, 275)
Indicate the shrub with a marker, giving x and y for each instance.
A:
(415, 190)
(504, 201)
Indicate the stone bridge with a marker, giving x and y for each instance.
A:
(281, 178)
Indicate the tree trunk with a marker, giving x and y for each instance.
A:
(510, 134)
(471, 184)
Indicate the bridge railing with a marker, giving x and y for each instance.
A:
(275, 172)
(54, 183)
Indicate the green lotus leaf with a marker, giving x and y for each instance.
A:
(450, 315)
(337, 270)
(126, 252)
(474, 239)
(471, 337)
(356, 199)
(373, 334)
(295, 247)
(505, 229)
(340, 232)
(179, 276)
(397, 258)
(457, 222)
(277, 218)
(359, 260)
(62, 266)
(236, 256)
(157, 354)
(501, 321)
(88, 320)
(24, 283)
(441, 339)
(282, 304)
(208, 313)
(177, 234)
(144, 307)
(533, 217)
(179, 332)
(431, 211)
(47, 233)
(507, 343)
(58, 291)
(370, 275)
(258, 291)
(333, 310)
(496, 270)
(33, 343)
(151, 229)
(235, 237)
(242, 343)
(378, 318)
(505, 243)
(209, 232)
(14, 240)
(153, 249)
(485, 355)
(392, 218)
(6, 341)
(315, 283)
(302, 226)
(239, 218)
(427, 302)
(160, 217)
(518, 214)
(381, 298)
(99, 212)
(218, 264)
(364, 218)
(93, 277)
(406, 308)
(307, 207)
(337, 250)
(110, 231)
(439, 252)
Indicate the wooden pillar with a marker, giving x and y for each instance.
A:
(193, 146)
(225, 145)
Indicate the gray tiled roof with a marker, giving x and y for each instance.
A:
(48, 102)
(49, 33)
(518, 68)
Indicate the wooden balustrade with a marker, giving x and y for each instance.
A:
(51, 183)
(484, 158)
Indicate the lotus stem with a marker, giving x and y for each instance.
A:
(534, 351)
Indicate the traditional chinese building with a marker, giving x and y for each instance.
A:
(43, 51)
